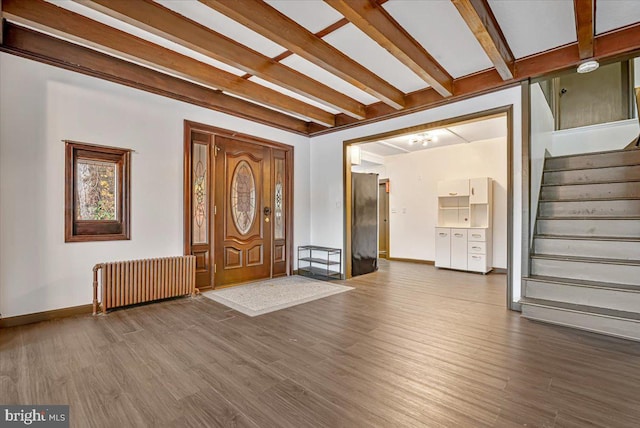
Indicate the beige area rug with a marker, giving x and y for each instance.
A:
(262, 297)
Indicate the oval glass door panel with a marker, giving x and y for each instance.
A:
(243, 197)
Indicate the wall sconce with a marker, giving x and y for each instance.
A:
(356, 155)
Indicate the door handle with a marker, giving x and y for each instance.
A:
(453, 193)
(459, 235)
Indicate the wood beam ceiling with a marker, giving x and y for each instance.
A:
(585, 26)
(46, 16)
(484, 26)
(267, 21)
(53, 51)
(165, 23)
(375, 22)
(611, 46)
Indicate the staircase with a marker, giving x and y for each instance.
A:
(585, 262)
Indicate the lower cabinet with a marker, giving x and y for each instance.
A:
(464, 249)
(443, 247)
(459, 249)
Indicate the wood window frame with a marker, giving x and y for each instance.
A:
(97, 230)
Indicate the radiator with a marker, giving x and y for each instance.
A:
(138, 281)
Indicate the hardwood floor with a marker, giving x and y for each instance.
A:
(410, 346)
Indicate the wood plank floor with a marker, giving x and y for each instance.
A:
(410, 346)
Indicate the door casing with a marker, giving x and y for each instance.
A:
(209, 133)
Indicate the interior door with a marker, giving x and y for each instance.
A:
(383, 220)
(242, 212)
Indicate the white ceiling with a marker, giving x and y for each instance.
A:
(612, 14)
(431, 22)
(312, 15)
(208, 17)
(463, 133)
(357, 45)
(530, 27)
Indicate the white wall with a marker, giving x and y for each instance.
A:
(594, 138)
(542, 126)
(413, 197)
(327, 213)
(41, 105)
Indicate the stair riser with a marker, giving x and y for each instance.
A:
(617, 208)
(619, 173)
(624, 250)
(613, 273)
(627, 329)
(592, 191)
(629, 157)
(614, 228)
(589, 296)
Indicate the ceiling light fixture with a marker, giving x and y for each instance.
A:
(589, 66)
(423, 139)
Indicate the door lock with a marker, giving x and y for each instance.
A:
(267, 211)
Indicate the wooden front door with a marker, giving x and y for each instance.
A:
(238, 196)
(243, 211)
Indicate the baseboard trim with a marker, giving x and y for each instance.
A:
(45, 316)
(419, 261)
(499, 270)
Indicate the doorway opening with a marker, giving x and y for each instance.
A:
(238, 212)
(417, 164)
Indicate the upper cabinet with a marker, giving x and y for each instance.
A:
(479, 190)
(453, 188)
(465, 203)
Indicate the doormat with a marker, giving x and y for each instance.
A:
(271, 295)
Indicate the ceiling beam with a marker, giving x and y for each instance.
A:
(612, 46)
(53, 51)
(267, 21)
(165, 23)
(585, 26)
(376, 23)
(484, 26)
(48, 17)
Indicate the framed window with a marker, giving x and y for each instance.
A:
(97, 188)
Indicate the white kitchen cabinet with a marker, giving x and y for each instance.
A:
(453, 188)
(479, 189)
(464, 232)
(459, 249)
(443, 247)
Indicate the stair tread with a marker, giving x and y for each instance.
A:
(589, 238)
(585, 283)
(617, 198)
(589, 218)
(586, 259)
(582, 308)
(587, 183)
(579, 168)
(601, 152)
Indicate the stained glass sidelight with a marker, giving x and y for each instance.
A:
(278, 211)
(96, 190)
(243, 197)
(200, 196)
